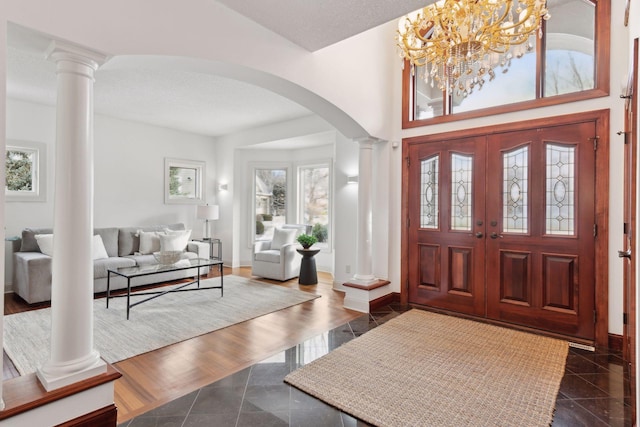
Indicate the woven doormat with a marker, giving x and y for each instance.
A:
(427, 369)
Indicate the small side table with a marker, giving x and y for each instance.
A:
(308, 274)
(212, 242)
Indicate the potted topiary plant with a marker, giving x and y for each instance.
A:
(306, 240)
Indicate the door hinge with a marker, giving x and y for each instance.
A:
(408, 161)
(595, 316)
(408, 222)
(625, 318)
(595, 230)
(626, 140)
(595, 142)
(624, 228)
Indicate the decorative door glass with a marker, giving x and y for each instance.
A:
(461, 204)
(515, 191)
(429, 193)
(560, 200)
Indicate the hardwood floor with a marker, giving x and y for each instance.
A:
(158, 377)
(594, 389)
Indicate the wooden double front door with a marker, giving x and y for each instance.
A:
(503, 225)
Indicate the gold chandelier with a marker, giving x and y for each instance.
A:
(460, 42)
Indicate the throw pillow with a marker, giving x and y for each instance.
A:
(99, 251)
(45, 243)
(29, 243)
(149, 241)
(174, 240)
(282, 236)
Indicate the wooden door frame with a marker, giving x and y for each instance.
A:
(630, 281)
(601, 118)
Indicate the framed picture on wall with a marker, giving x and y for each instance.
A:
(184, 181)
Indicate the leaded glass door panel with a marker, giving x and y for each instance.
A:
(447, 232)
(540, 226)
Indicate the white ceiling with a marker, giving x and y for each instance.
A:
(202, 103)
(314, 24)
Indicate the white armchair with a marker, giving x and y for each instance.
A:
(278, 259)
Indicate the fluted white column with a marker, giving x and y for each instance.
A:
(364, 261)
(73, 356)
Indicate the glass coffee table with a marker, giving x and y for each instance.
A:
(147, 270)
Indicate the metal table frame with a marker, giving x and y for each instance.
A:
(132, 272)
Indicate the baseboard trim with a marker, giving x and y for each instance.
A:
(615, 342)
(105, 417)
(393, 297)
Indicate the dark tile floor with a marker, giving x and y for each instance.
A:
(593, 392)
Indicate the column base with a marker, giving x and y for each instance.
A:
(363, 280)
(359, 295)
(53, 376)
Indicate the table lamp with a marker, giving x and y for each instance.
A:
(208, 213)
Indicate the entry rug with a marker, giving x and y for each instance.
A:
(427, 369)
(157, 323)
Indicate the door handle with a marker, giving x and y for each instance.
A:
(624, 254)
(495, 235)
(479, 235)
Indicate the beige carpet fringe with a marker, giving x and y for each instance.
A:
(427, 369)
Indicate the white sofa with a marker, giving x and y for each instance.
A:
(278, 259)
(32, 268)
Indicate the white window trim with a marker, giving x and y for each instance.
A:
(287, 166)
(39, 192)
(299, 196)
(199, 196)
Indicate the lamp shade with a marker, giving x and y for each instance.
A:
(208, 212)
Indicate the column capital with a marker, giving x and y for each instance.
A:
(368, 141)
(65, 51)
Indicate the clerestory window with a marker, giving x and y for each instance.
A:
(569, 63)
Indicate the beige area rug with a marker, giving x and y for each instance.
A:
(427, 369)
(162, 321)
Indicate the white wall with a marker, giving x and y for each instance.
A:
(346, 210)
(128, 174)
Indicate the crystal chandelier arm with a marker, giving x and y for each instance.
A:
(521, 22)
